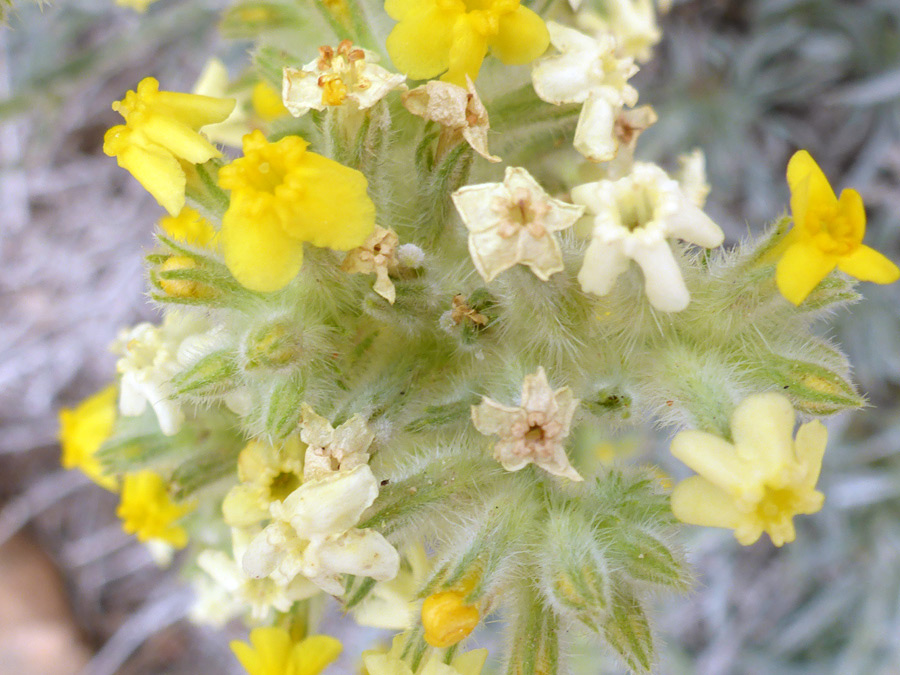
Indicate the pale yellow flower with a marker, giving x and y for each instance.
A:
(759, 482)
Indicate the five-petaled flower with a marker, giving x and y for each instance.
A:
(587, 70)
(83, 430)
(758, 483)
(281, 196)
(338, 76)
(272, 651)
(513, 222)
(148, 512)
(633, 219)
(453, 36)
(827, 233)
(161, 131)
(533, 431)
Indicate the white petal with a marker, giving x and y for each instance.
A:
(330, 505)
(300, 91)
(475, 204)
(663, 282)
(262, 556)
(603, 263)
(359, 552)
(595, 136)
(541, 254)
(562, 79)
(691, 224)
(491, 418)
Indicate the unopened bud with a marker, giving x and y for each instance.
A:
(182, 288)
(447, 619)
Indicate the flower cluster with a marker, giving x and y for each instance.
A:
(382, 373)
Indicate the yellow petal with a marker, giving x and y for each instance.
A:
(809, 448)
(522, 38)
(178, 138)
(853, 212)
(711, 457)
(763, 431)
(159, 172)
(801, 269)
(867, 264)
(192, 109)
(697, 501)
(336, 211)
(398, 9)
(268, 654)
(808, 185)
(257, 251)
(314, 654)
(466, 53)
(419, 45)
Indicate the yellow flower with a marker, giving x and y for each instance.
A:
(82, 432)
(148, 512)
(758, 483)
(273, 652)
(267, 102)
(447, 619)
(189, 227)
(161, 130)
(282, 196)
(453, 36)
(827, 233)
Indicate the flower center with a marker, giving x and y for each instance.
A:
(521, 211)
(636, 210)
(534, 434)
(342, 71)
(831, 230)
(283, 484)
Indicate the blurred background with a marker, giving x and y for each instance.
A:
(748, 81)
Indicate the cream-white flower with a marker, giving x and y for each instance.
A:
(313, 534)
(587, 70)
(513, 222)
(533, 431)
(634, 217)
(632, 22)
(692, 177)
(378, 255)
(233, 592)
(459, 111)
(150, 357)
(329, 449)
(268, 473)
(339, 75)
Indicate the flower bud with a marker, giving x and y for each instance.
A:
(447, 619)
(182, 288)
